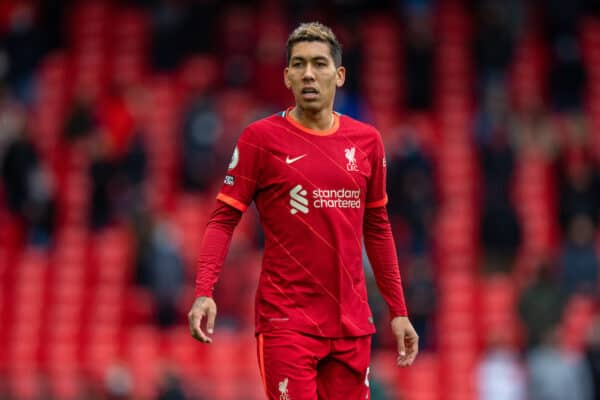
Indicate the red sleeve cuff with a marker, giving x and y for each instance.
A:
(238, 205)
(378, 203)
(202, 293)
(398, 313)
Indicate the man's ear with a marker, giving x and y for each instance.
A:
(340, 76)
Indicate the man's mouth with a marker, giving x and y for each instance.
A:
(309, 93)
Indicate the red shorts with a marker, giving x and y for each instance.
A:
(294, 366)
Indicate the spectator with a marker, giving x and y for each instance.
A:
(493, 117)
(50, 19)
(129, 176)
(27, 182)
(19, 161)
(567, 75)
(556, 375)
(348, 97)
(419, 60)
(201, 130)
(142, 225)
(134, 164)
(579, 189)
(494, 41)
(592, 355)
(579, 259)
(592, 7)
(171, 388)
(119, 158)
(199, 27)
(412, 196)
(164, 269)
(168, 42)
(500, 228)
(421, 298)
(562, 17)
(22, 47)
(415, 7)
(533, 133)
(81, 121)
(118, 382)
(541, 295)
(347, 27)
(117, 119)
(500, 375)
(101, 171)
(238, 45)
(380, 391)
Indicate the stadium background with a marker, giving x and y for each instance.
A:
(117, 119)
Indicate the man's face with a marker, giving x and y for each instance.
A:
(312, 75)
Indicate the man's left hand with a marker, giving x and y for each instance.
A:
(407, 340)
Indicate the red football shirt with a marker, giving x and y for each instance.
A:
(311, 189)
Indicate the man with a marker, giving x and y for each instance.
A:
(318, 181)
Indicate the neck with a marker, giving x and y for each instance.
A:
(320, 120)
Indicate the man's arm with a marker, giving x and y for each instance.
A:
(381, 250)
(213, 250)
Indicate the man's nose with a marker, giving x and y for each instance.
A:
(308, 73)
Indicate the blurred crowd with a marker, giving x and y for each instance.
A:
(227, 57)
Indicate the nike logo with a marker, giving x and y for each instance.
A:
(289, 160)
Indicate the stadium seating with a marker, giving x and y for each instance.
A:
(73, 312)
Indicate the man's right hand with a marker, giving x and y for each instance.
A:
(203, 307)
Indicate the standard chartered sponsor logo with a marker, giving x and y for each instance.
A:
(298, 200)
(323, 198)
(339, 198)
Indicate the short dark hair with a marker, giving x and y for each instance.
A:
(314, 32)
